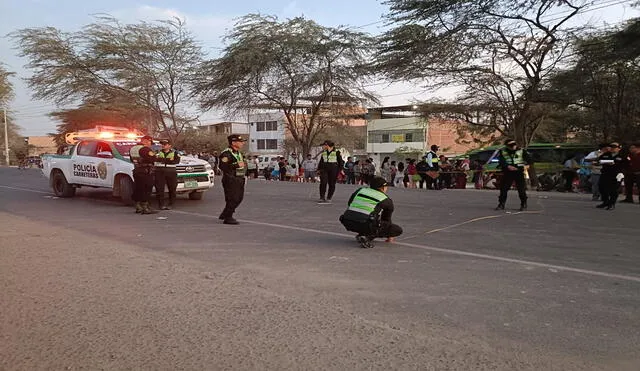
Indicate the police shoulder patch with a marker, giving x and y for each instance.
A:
(225, 159)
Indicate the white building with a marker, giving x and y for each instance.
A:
(386, 135)
(226, 128)
(267, 133)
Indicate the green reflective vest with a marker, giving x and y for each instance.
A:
(169, 156)
(514, 159)
(434, 158)
(366, 200)
(240, 171)
(330, 157)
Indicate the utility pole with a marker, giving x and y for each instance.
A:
(6, 136)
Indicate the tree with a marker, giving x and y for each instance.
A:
(16, 142)
(90, 114)
(308, 72)
(602, 86)
(149, 64)
(499, 51)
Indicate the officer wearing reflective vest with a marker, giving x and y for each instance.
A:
(433, 162)
(513, 161)
(143, 160)
(330, 164)
(369, 214)
(166, 175)
(234, 170)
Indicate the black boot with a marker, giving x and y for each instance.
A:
(139, 208)
(523, 206)
(500, 206)
(602, 206)
(146, 209)
(230, 220)
(610, 207)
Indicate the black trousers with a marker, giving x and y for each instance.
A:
(387, 230)
(328, 177)
(508, 177)
(629, 179)
(608, 186)
(233, 187)
(424, 178)
(168, 178)
(142, 185)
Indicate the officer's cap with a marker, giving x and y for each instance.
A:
(434, 148)
(146, 137)
(378, 182)
(328, 143)
(510, 142)
(236, 138)
(165, 141)
(614, 145)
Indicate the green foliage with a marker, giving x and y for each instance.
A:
(306, 71)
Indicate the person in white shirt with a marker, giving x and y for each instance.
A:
(591, 159)
(310, 167)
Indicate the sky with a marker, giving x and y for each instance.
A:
(209, 20)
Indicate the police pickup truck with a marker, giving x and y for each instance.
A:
(101, 160)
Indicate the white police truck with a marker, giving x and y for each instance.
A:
(99, 158)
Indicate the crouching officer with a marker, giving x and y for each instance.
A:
(234, 171)
(166, 175)
(143, 160)
(369, 214)
(513, 161)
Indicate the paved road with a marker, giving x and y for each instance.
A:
(89, 284)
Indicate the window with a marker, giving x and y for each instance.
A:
(385, 138)
(260, 126)
(267, 144)
(271, 126)
(87, 148)
(408, 137)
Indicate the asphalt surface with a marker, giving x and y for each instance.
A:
(88, 284)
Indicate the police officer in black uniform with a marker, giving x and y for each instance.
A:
(369, 214)
(234, 170)
(612, 164)
(513, 161)
(143, 160)
(165, 168)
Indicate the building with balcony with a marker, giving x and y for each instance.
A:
(226, 128)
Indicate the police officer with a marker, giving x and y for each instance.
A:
(513, 161)
(612, 164)
(165, 168)
(369, 214)
(234, 170)
(330, 164)
(143, 160)
(433, 162)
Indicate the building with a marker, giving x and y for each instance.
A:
(39, 145)
(400, 129)
(226, 128)
(267, 133)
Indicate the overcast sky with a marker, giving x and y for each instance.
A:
(209, 20)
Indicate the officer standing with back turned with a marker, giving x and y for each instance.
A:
(513, 161)
(143, 160)
(166, 174)
(234, 170)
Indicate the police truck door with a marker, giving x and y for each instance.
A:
(84, 168)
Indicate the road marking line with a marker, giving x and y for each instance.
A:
(25, 190)
(422, 247)
(440, 250)
(470, 221)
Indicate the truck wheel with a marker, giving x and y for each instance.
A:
(196, 195)
(61, 187)
(126, 190)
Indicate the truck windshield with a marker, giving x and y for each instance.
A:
(124, 147)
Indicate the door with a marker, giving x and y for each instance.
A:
(105, 164)
(84, 165)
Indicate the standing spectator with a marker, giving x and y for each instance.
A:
(412, 172)
(310, 167)
(433, 162)
(446, 174)
(252, 166)
(357, 172)
(398, 181)
(569, 173)
(330, 164)
(422, 168)
(476, 166)
(282, 169)
(349, 171)
(592, 160)
(632, 173)
(612, 165)
(394, 171)
(385, 170)
(368, 171)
